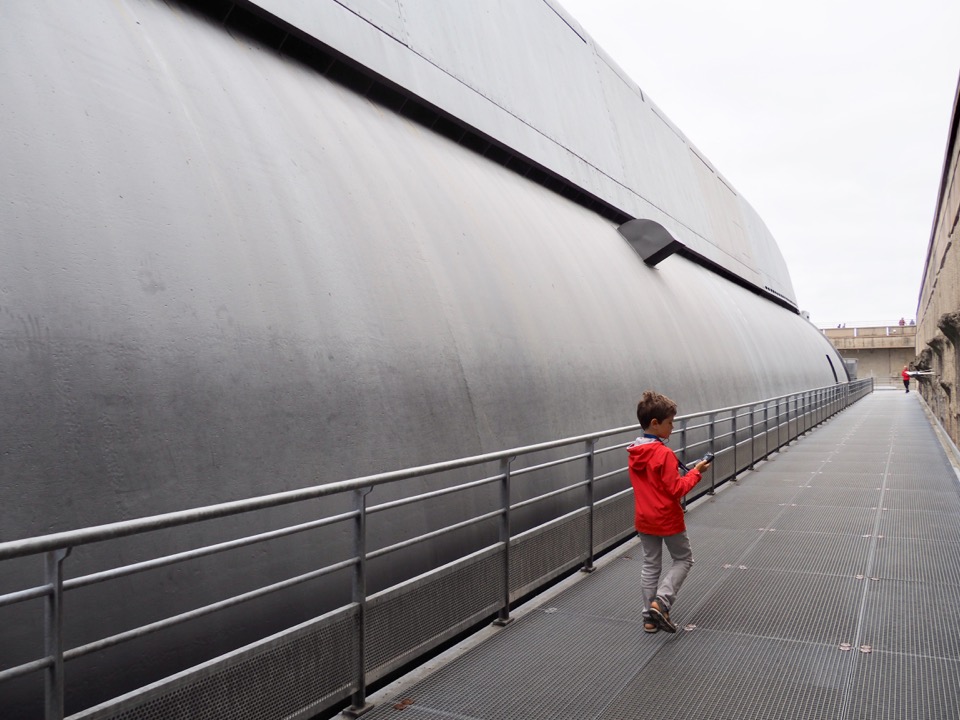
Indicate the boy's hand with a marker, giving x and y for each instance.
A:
(701, 466)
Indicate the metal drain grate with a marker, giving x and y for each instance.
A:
(736, 515)
(931, 501)
(764, 495)
(920, 560)
(840, 497)
(715, 676)
(941, 481)
(921, 525)
(894, 687)
(810, 553)
(569, 668)
(834, 479)
(826, 519)
(912, 618)
(784, 605)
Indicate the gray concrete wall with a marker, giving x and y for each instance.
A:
(938, 311)
(884, 366)
(881, 351)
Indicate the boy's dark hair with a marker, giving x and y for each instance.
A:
(654, 406)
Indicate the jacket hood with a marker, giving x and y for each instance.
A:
(641, 441)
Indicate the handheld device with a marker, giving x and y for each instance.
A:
(707, 458)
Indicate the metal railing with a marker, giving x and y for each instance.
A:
(738, 436)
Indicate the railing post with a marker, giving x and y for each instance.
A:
(591, 445)
(358, 701)
(753, 436)
(766, 430)
(712, 446)
(683, 439)
(683, 453)
(503, 617)
(53, 634)
(779, 440)
(797, 415)
(736, 467)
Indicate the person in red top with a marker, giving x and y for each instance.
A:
(658, 516)
(906, 378)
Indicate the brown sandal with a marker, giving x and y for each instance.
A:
(661, 617)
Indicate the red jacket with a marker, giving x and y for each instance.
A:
(905, 375)
(658, 487)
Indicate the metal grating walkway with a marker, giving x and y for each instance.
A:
(849, 538)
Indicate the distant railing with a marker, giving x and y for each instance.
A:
(332, 658)
(877, 331)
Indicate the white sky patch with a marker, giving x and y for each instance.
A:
(831, 118)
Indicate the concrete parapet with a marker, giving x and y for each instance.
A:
(859, 343)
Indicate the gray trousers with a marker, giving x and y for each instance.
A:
(679, 547)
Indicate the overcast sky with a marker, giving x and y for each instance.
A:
(830, 118)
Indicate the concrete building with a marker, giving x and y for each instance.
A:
(938, 312)
(876, 352)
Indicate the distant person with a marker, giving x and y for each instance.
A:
(912, 322)
(658, 516)
(906, 378)
(902, 322)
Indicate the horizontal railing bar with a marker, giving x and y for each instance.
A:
(611, 448)
(200, 612)
(83, 536)
(432, 494)
(697, 444)
(606, 475)
(73, 538)
(25, 669)
(621, 493)
(551, 463)
(435, 533)
(28, 594)
(120, 572)
(552, 493)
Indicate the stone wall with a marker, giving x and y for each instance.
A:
(938, 313)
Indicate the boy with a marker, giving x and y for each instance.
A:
(658, 517)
